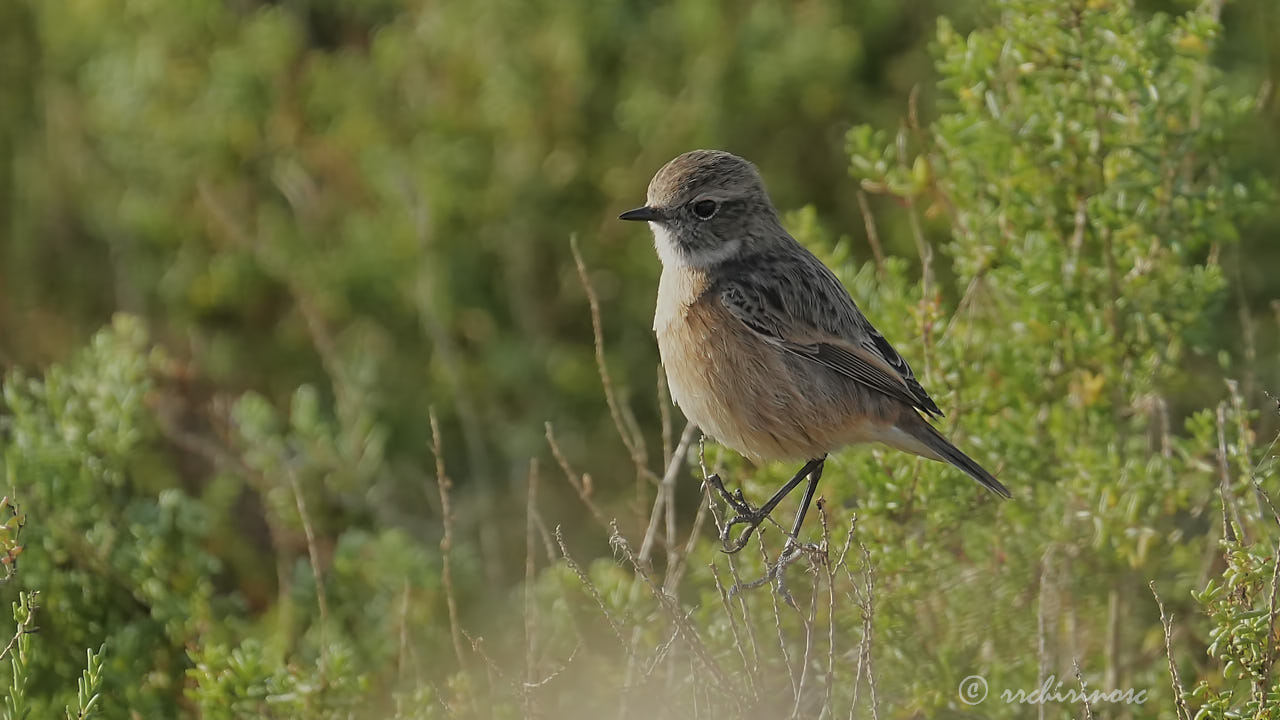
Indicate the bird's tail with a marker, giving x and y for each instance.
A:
(943, 450)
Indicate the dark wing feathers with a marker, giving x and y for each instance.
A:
(903, 370)
(874, 371)
(797, 304)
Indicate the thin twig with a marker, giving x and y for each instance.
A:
(913, 217)
(873, 237)
(443, 483)
(666, 493)
(495, 670)
(678, 563)
(663, 652)
(1230, 518)
(927, 292)
(708, 499)
(1244, 446)
(530, 617)
(313, 549)
(866, 603)
(806, 658)
(673, 613)
(580, 483)
(548, 544)
(635, 445)
(1175, 681)
(831, 603)
(753, 682)
(870, 573)
(555, 673)
(590, 588)
(777, 623)
(1084, 691)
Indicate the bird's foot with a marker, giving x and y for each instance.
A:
(747, 515)
(775, 572)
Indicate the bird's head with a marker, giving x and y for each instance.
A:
(706, 207)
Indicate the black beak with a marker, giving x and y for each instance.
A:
(641, 213)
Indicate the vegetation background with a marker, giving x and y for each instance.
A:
(303, 412)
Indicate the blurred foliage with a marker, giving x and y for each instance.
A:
(383, 191)
(324, 218)
(119, 548)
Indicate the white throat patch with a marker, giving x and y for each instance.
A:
(672, 256)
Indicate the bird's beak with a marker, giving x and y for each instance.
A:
(641, 213)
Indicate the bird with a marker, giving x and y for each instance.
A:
(763, 347)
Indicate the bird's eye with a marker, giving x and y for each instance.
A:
(704, 209)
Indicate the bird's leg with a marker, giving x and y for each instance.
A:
(793, 548)
(814, 476)
(752, 518)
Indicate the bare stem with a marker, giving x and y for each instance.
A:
(1084, 692)
(1175, 681)
(633, 443)
(1230, 518)
(674, 614)
(530, 613)
(666, 496)
(580, 483)
(590, 588)
(873, 236)
(444, 484)
(313, 550)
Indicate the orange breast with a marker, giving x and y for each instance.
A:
(741, 390)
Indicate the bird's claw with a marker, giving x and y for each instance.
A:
(747, 515)
(751, 519)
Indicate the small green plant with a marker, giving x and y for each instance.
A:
(19, 652)
(17, 705)
(88, 687)
(1242, 602)
(1242, 606)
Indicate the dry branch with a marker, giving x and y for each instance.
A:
(1179, 694)
(443, 484)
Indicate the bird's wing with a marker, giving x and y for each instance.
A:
(802, 308)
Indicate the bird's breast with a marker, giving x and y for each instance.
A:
(747, 393)
(678, 289)
(726, 381)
